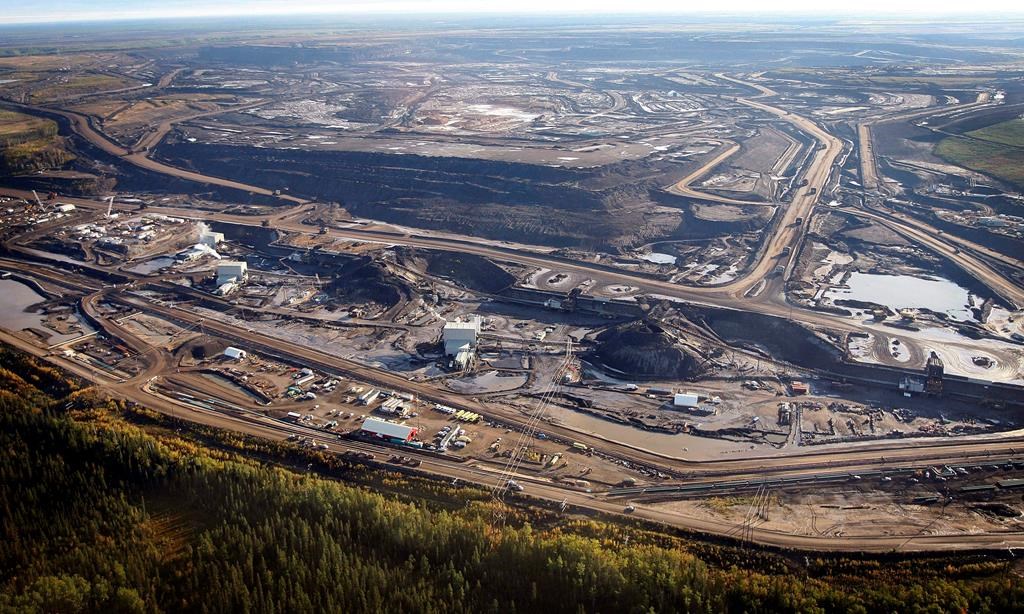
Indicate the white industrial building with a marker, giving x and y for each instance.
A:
(686, 399)
(234, 353)
(231, 270)
(390, 431)
(210, 238)
(196, 252)
(460, 339)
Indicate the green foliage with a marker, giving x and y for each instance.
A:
(29, 143)
(1008, 133)
(997, 150)
(105, 509)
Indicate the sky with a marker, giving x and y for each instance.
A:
(27, 11)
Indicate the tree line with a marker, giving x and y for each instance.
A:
(102, 511)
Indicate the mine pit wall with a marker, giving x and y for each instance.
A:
(368, 178)
(790, 342)
(73, 186)
(694, 227)
(532, 203)
(131, 178)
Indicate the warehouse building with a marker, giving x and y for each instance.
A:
(234, 353)
(685, 399)
(388, 431)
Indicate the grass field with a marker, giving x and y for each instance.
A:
(58, 61)
(996, 150)
(1009, 133)
(82, 84)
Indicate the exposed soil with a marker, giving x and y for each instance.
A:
(363, 280)
(643, 350)
(780, 338)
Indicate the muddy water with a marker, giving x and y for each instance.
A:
(679, 446)
(15, 298)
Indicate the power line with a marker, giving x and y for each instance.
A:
(527, 433)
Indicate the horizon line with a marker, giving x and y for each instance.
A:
(756, 16)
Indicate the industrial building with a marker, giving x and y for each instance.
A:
(685, 399)
(196, 252)
(934, 372)
(369, 396)
(231, 271)
(234, 353)
(388, 431)
(210, 238)
(460, 340)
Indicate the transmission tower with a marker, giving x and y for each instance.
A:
(505, 479)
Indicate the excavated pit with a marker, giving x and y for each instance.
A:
(534, 203)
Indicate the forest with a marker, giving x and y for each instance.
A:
(107, 506)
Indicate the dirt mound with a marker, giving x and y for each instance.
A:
(201, 348)
(643, 350)
(782, 339)
(364, 280)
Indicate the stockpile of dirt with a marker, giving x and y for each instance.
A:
(780, 338)
(364, 280)
(643, 350)
(201, 348)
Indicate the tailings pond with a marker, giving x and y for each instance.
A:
(15, 299)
